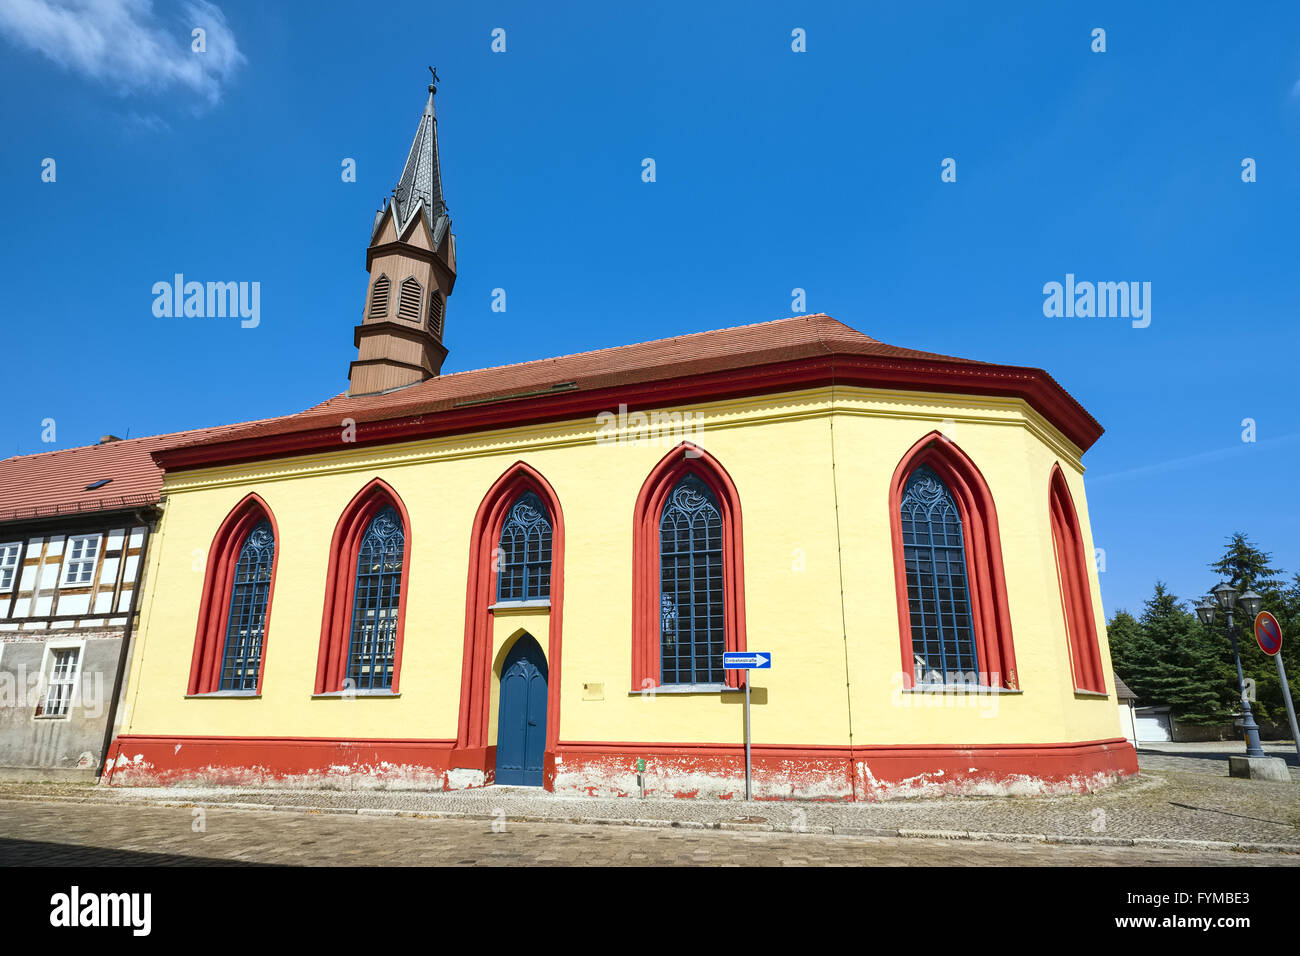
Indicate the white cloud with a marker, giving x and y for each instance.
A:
(124, 44)
(144, 123)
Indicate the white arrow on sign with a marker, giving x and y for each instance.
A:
(757, 660)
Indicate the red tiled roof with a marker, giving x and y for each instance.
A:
(529, 388)
(54, 482)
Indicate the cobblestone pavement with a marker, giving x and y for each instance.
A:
(58, 833)
(1210, 757)
(1180, 800)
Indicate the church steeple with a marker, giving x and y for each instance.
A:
(412, 266)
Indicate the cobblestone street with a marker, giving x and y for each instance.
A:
(1183, 809)
(62, 834)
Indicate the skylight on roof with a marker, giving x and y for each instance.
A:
(98, 484)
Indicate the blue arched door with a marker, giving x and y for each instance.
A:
(521, 720)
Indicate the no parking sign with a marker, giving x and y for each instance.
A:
(1269, 636)
(1268, 633)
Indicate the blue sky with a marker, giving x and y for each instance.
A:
(775, 170)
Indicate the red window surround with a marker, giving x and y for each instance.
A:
(214, 602)
(990, 615)
(340, 584)
(476, 669)
(685, 458)
(1076, 592)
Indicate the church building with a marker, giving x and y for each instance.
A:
(529, 574)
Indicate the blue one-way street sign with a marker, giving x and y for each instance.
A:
(750, 660)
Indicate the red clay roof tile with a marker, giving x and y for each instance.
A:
(745, 346)
(54, 482)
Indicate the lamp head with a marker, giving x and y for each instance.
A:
(1226, 595)
(1252, 603)
(1205, 611)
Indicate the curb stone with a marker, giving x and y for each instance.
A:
(1090, 841)
(1015, 837)
(933, 834)
(1187, 844)
(865, 831)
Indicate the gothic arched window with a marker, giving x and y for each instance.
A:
(688, 573)
(1076, 587)
(691, 639)
(365, 595)
(235, 604)
(938, 591)
(250, 593)
(954, 622)
(524, 572)
(372, 643)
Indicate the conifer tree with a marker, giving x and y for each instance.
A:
(1127, 652)
(1181, 669)
(1247, 568)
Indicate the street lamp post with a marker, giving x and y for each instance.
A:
(1226, 597)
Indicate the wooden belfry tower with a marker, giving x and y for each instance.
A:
(412, 266)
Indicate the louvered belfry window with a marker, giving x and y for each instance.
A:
(373, 641)
(525, 556)
(435, 313)
(938, 591)
(379, 299)
(690, 586)
(408, 304)
(242, 656)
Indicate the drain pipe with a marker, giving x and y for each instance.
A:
(844, 625)
(128, 638)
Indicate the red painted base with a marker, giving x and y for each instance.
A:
(609, 769)
(838, 773)
(284, 761)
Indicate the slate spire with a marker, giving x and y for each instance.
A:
(420, 187)
(412, 264)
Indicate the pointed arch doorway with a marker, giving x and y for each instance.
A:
(521, 716)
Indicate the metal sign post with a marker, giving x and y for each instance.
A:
(746, 662)
(1268, 633)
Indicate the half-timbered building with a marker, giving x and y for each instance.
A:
(74, 534)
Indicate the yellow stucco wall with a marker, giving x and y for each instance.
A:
(798, 512)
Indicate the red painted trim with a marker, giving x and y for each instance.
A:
(841, 773)
(685, 459)
(480, 594)
(340, 584)
(1072, 584)
(990, 613)
(638, 748)
(1034, 386)
(827, 772)
(157, 759)
(214, 600)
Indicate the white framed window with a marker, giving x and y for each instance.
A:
(9, 565)
(64, 668)
(79, 566)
